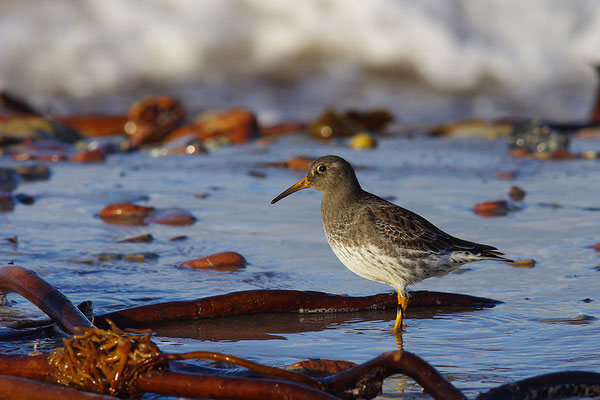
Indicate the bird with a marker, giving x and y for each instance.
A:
(379, 240)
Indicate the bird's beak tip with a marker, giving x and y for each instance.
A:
(303, 184)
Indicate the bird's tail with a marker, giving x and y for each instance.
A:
(494, 254)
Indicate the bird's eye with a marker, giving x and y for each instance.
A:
(322, 168)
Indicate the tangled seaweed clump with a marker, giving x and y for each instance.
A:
(105, 361)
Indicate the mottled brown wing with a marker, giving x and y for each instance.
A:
(397, 225)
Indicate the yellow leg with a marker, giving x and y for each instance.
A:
(399, 325)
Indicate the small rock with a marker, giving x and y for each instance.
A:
(491, 208)
(139, 257)
(34, 172)
(25, 198)
(88, 156)
(236, 126)
(173, 216)
(529, 263)
(108, 256)
(152, 118)
(362, 141)
(125, 210)
(516, 193)
(145, 238)
(216, 261)
(590, 155)
(332, 124)
(177, 238)
(9, 179)
(595, 247)
(7, 202)
(125, 214)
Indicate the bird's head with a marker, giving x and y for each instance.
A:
(327, 174)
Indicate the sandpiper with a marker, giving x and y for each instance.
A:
(379, 240)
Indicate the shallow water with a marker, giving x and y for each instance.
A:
(439, 178)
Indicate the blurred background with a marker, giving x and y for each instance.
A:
(431, 60)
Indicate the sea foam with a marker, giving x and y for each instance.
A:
(534, 56)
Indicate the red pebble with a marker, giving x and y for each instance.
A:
(595, 247)
(226, 259)
(173, 216)
(87, 156)
(491, 208)
(125, 210)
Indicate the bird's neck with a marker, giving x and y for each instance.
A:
(335, 201)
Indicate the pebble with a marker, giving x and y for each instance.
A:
(216, 261)
(363, 141)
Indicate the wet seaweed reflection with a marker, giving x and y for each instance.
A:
(126, 362)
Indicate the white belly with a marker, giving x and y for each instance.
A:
(372, 263)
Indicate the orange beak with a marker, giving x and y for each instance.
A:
(303, 184)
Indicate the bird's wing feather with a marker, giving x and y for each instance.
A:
(404, 228)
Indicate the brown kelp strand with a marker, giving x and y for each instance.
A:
(45, 296)
(227, 387)
(128, 363)
(261, 369)
(368, 377)
(550, 386)
(16, 388)
(277, 301)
